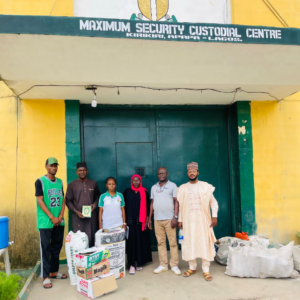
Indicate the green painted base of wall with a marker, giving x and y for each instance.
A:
(63, 262)
(73, 145)
(242, 177)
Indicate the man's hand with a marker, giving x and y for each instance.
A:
(173, 222)
(150, 224)
(60, 218)
(94, 205)
(55, 221)
(179, 225)
(214, 222)
(79, 214)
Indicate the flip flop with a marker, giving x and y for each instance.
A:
(59, 276)
(189, 272)
(47, 281)
(207, 276)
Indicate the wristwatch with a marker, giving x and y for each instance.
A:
(176, 217)
(124, 223)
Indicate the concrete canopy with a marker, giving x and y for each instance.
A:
(37, 66)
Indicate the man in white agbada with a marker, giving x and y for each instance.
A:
(195, 201)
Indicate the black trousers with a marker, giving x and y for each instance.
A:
(51, 241)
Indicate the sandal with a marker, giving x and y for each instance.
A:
(208, 277)
(59, 276)
(189, 272)
(47, 281)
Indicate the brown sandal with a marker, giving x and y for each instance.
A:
(189, 272)
(208, 277)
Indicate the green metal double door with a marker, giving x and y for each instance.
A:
(123, 142)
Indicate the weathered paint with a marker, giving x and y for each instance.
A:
(246, 167)
(241, 167)
(276, 146)
(73, 146)
(40, 133)
(8, 156)
(12, 206)
(276, 136)
(37, 7)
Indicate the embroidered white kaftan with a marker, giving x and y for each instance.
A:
(195, 201)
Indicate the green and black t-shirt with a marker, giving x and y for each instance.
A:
(53, 194)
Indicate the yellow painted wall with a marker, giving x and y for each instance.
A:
(8, 147)
(276, 161)
(256, 12)
(37, 7)
(41, 134)
(276, 137)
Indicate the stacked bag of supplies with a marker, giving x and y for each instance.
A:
(89, 268)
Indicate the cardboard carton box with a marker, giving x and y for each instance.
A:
(95, 271)
(114, 242)
(90, 257)
(96, 287)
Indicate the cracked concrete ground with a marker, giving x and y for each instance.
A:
(145, 285)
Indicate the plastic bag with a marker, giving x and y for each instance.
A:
(227, 240)
(259, 240)
(74, 243)
(246, 259)
(296, 257)
(224, 243)
(222, 253)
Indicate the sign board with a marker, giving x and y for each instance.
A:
(163, 31)
(193, 11)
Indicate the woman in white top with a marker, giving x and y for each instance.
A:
(112, 207)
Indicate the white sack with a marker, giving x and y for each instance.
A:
(296, 257)
(222, 253)
(259, 240)
(225, 242)
(74, 243)
(250, 260)
(228, 240)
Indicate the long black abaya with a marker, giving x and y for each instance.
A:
(138, 246)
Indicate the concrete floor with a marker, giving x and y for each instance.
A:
(145, 285)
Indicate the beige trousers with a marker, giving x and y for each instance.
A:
(161, 229)
(205, 265)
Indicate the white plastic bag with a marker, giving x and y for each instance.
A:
(277, 263)
(224, 243)
(227, 240)
(296, 257)
(222, 253)
(74, 243)
(259, 240)
(246, 259)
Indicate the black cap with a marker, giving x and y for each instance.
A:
(81, 165)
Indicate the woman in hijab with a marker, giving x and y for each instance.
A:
(137, 208)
